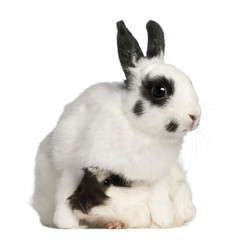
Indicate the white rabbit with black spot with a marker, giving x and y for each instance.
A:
(134, 128)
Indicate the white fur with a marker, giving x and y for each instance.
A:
(99, 128)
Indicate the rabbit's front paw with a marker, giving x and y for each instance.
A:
(162, 213)
(183, 213)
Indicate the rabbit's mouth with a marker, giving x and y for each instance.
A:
(193, 126)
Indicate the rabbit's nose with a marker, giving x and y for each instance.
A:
(194, 124)
(193, 117)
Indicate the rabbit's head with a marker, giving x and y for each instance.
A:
(159, 99)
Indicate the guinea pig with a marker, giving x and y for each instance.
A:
(104, 199)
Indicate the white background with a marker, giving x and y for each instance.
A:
(50, 51)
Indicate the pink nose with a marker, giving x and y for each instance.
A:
(193, 117)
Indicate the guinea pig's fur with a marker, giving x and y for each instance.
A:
(92, 190)
(104, 197)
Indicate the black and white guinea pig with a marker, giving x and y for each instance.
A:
(108, 200)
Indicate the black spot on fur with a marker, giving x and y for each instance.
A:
(119, 181)
(172, 126)
(147, 89)
(128, 48)
(138, 108)
(156, 43)
(91, 192)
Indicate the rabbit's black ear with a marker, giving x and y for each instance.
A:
(156, 42)
(129, 50)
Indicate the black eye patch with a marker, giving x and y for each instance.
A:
(157, 90)
(119, 180)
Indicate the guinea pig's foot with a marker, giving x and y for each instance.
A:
(115, 226)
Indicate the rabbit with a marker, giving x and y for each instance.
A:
(134, 127)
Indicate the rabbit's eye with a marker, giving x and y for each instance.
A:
(106, 183)
(159, 91)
